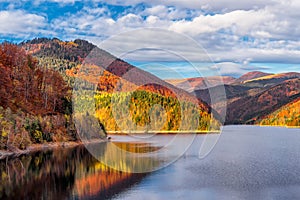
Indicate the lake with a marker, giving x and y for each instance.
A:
(248, 162)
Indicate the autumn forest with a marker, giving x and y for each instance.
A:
(44, 81)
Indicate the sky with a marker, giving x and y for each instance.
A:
(170, 38)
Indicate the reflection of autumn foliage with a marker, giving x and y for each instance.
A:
(288, 115)
(114, 170)
(39, 175)
(99, 182)
(102, 181)
(137, 147)
(65, 174)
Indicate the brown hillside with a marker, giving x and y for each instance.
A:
(251, 75)
(250, 108)
(124, 73)
(289, 75)
(26, 87)
(192, 84)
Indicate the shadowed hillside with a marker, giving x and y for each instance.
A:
(252, 97)
(250, 108)
(288, 115)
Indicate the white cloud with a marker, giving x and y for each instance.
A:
(235, 69)
(236, 31)
(240, 22)
(62, 2)
(130, 20)
(154, 45)
(257, 30)
(159, 10)
(16, 22)
(169, 13)
(229, 68)
(212, 5)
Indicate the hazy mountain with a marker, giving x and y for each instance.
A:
(197, 83)
(251, 75)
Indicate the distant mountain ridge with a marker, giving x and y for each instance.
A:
(288, 75)
(249, 109)
(252, 97)
(192, 84)
(251, 75)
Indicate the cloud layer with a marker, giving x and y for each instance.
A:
(230, 31)
(18, 22)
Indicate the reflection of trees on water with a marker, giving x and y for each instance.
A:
(46, 175)
(63, 173)
(106, 180)
(130, 157)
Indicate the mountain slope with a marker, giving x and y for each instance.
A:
(271, 80)
(252, 97)
(251, 108)
(79, 51)
(215, 94)
(34, 102)
(113, 76)
(251, 75)
(281, 76)
(288, 115)
(198, 83)
(73, 51)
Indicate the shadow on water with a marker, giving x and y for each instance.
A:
(66, 174)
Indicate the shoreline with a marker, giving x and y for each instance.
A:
(71, 144)
(160, 132)
(46, 146)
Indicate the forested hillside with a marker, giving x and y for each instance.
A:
(35, 102)
(288, 115)
(249, 109)
(253, 96)
(38, 78)
(126, 98)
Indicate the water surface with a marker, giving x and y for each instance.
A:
(247, 163)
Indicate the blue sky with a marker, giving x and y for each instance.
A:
(237, 36)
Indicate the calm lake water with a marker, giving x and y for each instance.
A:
(246, 163)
